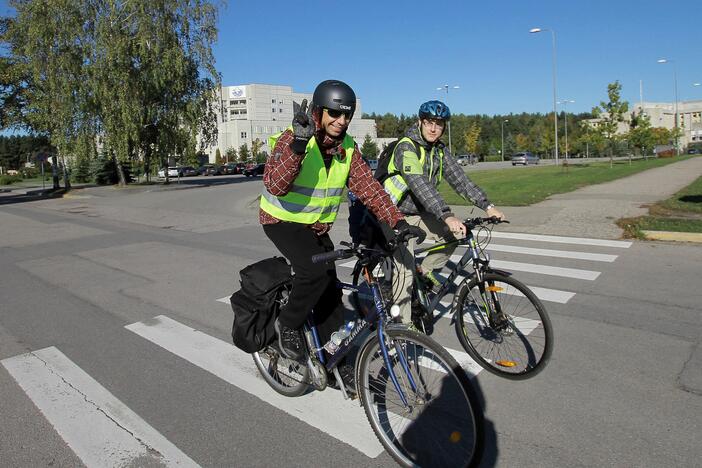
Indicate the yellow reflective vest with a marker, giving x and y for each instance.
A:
(316, 193)
(395, 185)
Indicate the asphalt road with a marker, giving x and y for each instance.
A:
(110, 325)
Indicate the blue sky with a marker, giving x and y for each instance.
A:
(395, 54)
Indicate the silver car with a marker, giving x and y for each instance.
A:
(525, 158)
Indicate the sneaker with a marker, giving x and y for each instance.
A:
(289, 341)
(431, 282)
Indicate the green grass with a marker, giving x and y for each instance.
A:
(523, 186)
(680, 213)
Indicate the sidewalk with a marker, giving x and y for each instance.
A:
(592, 211)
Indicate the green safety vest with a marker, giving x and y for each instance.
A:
(396, 186)
(316, 193)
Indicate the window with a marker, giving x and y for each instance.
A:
(273, 110)
(280, 110)
(280, 102)
(272, 101)
(243, 135)
(232, 102)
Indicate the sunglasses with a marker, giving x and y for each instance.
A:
(335, 114)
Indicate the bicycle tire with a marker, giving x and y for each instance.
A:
(443, 426)
(523, 347)
(292, 382)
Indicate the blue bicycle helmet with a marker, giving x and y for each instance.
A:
(434, 110)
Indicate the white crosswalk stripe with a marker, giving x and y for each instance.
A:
(100, 429)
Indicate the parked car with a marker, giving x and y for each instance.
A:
(187, 171)
(466, 159)
(254, 169)
(693, 151)
(233, 168)
(211, 169)
(525, 158)
(172, 172)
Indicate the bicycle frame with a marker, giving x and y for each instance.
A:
(471, 255)
(377, 315)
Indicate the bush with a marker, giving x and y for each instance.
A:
(30, 172)
(9, 179)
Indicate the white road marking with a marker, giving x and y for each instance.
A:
(546, 270)
(327, 410)
(561, 239)
(100, 429)
(594, 257)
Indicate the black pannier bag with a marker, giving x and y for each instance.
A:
(254, 305)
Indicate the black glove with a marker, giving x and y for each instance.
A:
(303, 128)
(404, 231)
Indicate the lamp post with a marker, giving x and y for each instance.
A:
(565, 103)
(553, 62)
(503, 138)
(447, 87)
(675, 111)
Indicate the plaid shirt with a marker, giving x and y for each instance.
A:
(283, 166)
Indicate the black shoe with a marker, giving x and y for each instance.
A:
(289, 341)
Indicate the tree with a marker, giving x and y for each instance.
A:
(472, 136)
(138, 74)
(256, 145)
(244, 154)
(218, 157)
(611, 114)
(230, 154)
(369, 149)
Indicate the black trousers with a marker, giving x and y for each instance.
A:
(314, 285)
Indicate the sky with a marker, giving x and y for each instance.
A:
(395, 54)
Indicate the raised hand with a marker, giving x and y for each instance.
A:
(303, 127)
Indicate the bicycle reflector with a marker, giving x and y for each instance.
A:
(395, 311)
(506, 363)
(494, 289)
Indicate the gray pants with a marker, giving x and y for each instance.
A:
(404, 260)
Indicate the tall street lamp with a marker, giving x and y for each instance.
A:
(675, 111)
(447, 87)
(555, 118)
(565, 103)
(503, 138)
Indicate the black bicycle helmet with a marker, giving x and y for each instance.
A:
(434, 110)
(335, 95)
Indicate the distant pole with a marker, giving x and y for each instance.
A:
(553, 70)
(675, 105)
(503, 139)
(565, 109)
(446, 87)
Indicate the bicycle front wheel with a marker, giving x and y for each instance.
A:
(441, 422)
(504, 326)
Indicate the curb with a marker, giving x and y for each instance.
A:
(674, 236)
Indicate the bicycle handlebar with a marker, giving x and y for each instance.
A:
(471, 223)
(333, 255)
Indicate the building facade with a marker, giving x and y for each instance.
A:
(662, 114)
(256, 111)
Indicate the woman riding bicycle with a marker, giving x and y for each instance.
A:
(310, 164)
(412, 183)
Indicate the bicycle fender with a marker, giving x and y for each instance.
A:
(499, 272)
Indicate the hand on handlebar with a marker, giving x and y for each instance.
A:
(456, 226)
(403, 232)
(493, 212)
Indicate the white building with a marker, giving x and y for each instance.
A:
(257, 111)
(662, 114)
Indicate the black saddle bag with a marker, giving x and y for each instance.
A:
(256, 304)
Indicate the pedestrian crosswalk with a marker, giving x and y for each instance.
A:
(98, 427)
(103, 431)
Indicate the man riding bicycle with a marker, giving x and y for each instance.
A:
(310, 164)
(420, 161)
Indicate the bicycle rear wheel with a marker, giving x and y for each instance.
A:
(442, 423)
(515, 341)
(286, 376)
